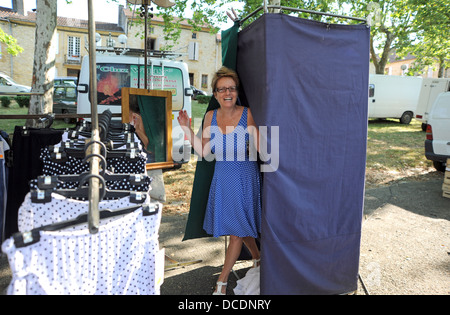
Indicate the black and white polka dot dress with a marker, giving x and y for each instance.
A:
(119, 259)
(75, 165)
(34, 215)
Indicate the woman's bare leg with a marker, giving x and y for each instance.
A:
(252, 247)
(233, 252)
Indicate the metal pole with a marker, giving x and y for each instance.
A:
(145, 4)
(94, 184)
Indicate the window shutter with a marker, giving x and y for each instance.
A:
(193, 51)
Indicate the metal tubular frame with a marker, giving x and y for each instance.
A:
(94, 148)
(266, 8)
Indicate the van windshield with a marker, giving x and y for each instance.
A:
(113, 77)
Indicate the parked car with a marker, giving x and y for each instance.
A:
(437, 143)
(65, 100)
(8, 86)
(197, 92)
(72, 81)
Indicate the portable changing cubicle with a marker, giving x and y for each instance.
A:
(310, 80)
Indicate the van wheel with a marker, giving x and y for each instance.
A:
(439, 166)
(406, 118)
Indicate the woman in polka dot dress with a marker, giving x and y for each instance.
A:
(234, 204)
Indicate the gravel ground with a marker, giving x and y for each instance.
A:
(405, 248)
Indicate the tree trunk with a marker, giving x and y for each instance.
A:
(44, 60)
(380, 61)
(441, 68)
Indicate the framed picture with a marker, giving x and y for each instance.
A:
(150, 111)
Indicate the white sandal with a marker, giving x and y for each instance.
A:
(219, 288)
(255, 262)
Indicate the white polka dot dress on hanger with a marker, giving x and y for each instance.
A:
(118, 260)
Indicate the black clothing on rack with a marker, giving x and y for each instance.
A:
(27, 165)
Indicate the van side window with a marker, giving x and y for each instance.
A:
(371, 90)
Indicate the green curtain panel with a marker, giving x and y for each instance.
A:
(205, 170)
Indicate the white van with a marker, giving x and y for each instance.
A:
(431, 88)
(393, 96)
(115, 71)
(437, 144)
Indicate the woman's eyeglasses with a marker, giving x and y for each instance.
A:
(231, 89)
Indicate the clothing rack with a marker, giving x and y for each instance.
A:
(102, 179)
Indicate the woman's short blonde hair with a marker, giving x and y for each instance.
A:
(224, 72)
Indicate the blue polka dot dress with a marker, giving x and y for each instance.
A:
(234, 204)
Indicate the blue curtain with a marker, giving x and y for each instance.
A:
(309, 80)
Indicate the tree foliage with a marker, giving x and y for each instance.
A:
(431, 36)
(418, 27)
(12, 47)
(391, 27)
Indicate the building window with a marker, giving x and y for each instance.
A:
(204, 81)
(194, 35)
(371, 90)
(74, 47)
(151, 43)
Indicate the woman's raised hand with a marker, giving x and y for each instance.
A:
(233, 18)
(183, 119)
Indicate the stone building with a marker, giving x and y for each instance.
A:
(201, 50)
(401, 66)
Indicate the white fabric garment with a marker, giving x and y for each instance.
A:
(32, 215)
(249, 285)
(119, 259)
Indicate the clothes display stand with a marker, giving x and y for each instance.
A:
(87, 224)
(55, 252)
